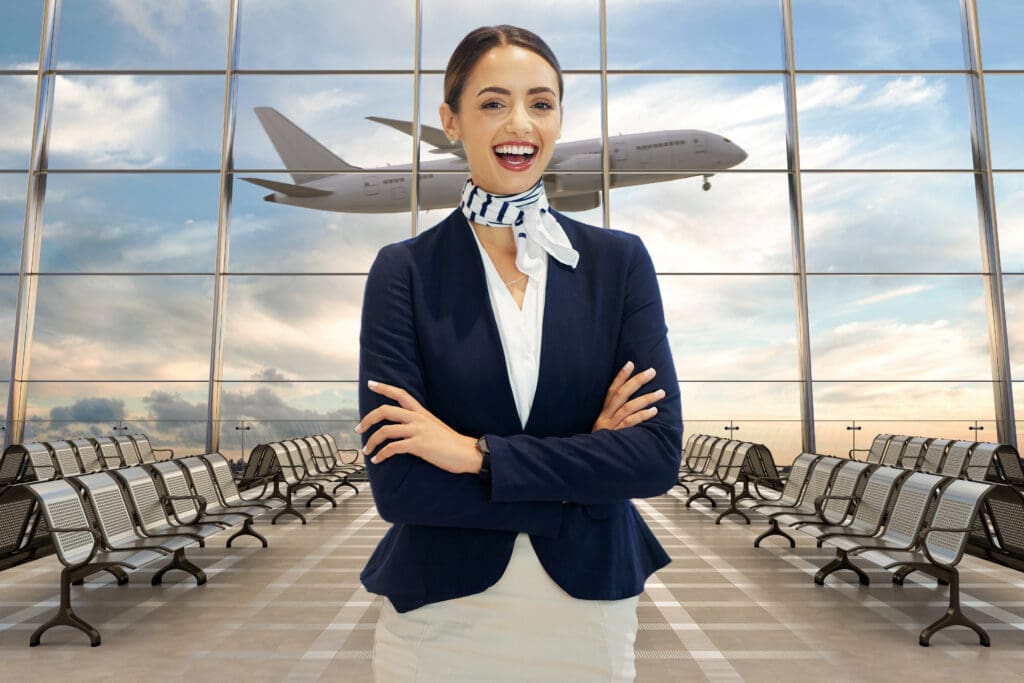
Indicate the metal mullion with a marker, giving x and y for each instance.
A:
(27, 284)
(414, 194)
(223, 234)
(606, 185)
(999, 347)
(797, 223)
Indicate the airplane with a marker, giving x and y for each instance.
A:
(572, 181)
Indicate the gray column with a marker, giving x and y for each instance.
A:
(999, 347)
(220, 288)
(796, 217)
(17, 400)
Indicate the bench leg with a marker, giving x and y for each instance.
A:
(345, 483)
(288, 509)
(247, 530)
(179, 561)
(65, 616)
(954, 615)
(702, 493)
(841, 561)
(320, 493)
(732, 509)
(684, 486)
(774, 530)
(901, 574)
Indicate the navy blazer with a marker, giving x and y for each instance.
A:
(428, 327)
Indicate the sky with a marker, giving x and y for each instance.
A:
(905, 341)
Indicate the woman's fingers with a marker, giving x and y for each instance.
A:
(403, 397)
(638, 417)
(386, 433)
(620, 378)
(381, 413)
(628, 388)
(638, 404)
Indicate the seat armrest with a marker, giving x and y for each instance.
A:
(95, 542)
(924, 546)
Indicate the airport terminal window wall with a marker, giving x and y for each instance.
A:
(835, 283)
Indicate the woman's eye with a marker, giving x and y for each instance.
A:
(543, 105)
(491, 105)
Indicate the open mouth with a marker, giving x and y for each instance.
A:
(515, 156)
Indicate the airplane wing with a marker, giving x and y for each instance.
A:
(287, 188)
(430, 135)
(298, 149)
(579, 202)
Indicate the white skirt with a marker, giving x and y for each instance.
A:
(523, 628)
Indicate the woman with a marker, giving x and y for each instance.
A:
(501, 407)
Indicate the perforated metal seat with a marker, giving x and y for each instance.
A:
(818, 481)
(230, 495)
(837, 503)
(78, 547)
(335, 452)
(88, 455)
(146, 451)
(956, 458)
(722, 457)
(129, 451)
(20, 540)
(187, 507)
(934, 456)
(293, 476)
(41, 467)
(303, 450)
(14, 465)
(913, 452)
(894, 450)
(109, 452)
(64, 456)
(875, 452)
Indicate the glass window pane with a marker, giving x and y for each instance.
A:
(571, 29)
(710, 319)
(891, 222)
(17, 111)
(330, 109)
(911, 121)
(13, 187)
(1004, 96)
(21, 25)
(1010, 217)
(698, 34)
(1013, 296)
(239, 437)
(293, 327)
(142, 223)
(8, 308)
(137, 122)
(835, 437)
(999, 23)
(117, 327)
(172, 414)
(337, 233)
(325, 34)
(910, 34)
(740, 225)
(184, 34)
(871, 328)
(708, 123)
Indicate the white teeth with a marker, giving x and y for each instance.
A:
(515, 149)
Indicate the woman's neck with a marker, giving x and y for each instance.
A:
(500, 239)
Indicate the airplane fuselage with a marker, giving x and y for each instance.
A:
(572, 179)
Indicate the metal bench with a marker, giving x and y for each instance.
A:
(938, 550)
(818, 482)
(151, 512)
(109, 452)
(293, 477)
(188, 507)
(876, 452)
(230, 494)
(835, 506)
(88, 455)
(205, 488)
(721, 459)
(791, 491)
(871, 507)
(79, 549)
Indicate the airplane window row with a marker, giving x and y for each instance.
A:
(662, 144)
(389, 181)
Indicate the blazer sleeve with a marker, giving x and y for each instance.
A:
(406, 489)
(606, 466)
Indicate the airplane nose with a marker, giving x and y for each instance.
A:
(735, 153)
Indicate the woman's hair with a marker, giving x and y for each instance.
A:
(477, 43)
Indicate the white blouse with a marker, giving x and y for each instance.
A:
(520, 330)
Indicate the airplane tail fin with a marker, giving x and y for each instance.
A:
(298, 149)
(434, 137)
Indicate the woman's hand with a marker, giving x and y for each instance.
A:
(417, 432)
(619, 411)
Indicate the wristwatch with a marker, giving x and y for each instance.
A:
(485, 467)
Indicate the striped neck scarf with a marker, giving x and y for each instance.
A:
(538, 233)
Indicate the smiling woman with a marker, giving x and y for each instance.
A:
(502, 356)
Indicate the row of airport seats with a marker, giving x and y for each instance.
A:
(713, 463)
(975, 460)
(124, 518)
(901, 519)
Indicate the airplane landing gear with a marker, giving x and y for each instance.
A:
(707, 184)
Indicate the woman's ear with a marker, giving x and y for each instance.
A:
(449, 122)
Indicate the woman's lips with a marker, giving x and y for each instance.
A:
(515, 156)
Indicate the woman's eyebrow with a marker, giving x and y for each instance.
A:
(506, 91)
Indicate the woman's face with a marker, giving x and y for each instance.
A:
(509, 119)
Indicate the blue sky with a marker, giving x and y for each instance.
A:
(736, 326)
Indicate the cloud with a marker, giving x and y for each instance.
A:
(890, 294)
(93, 409)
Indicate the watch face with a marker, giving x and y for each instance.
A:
(481, 443)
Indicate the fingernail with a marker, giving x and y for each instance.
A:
(358, 428)
(660, 393)
(374, 460)
(628, 366)
(365, 451)
(654, 411)
(371, 384)
(649, 372)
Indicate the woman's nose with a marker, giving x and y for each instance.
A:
(518, 120)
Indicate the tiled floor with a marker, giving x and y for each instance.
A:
(721, 611)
